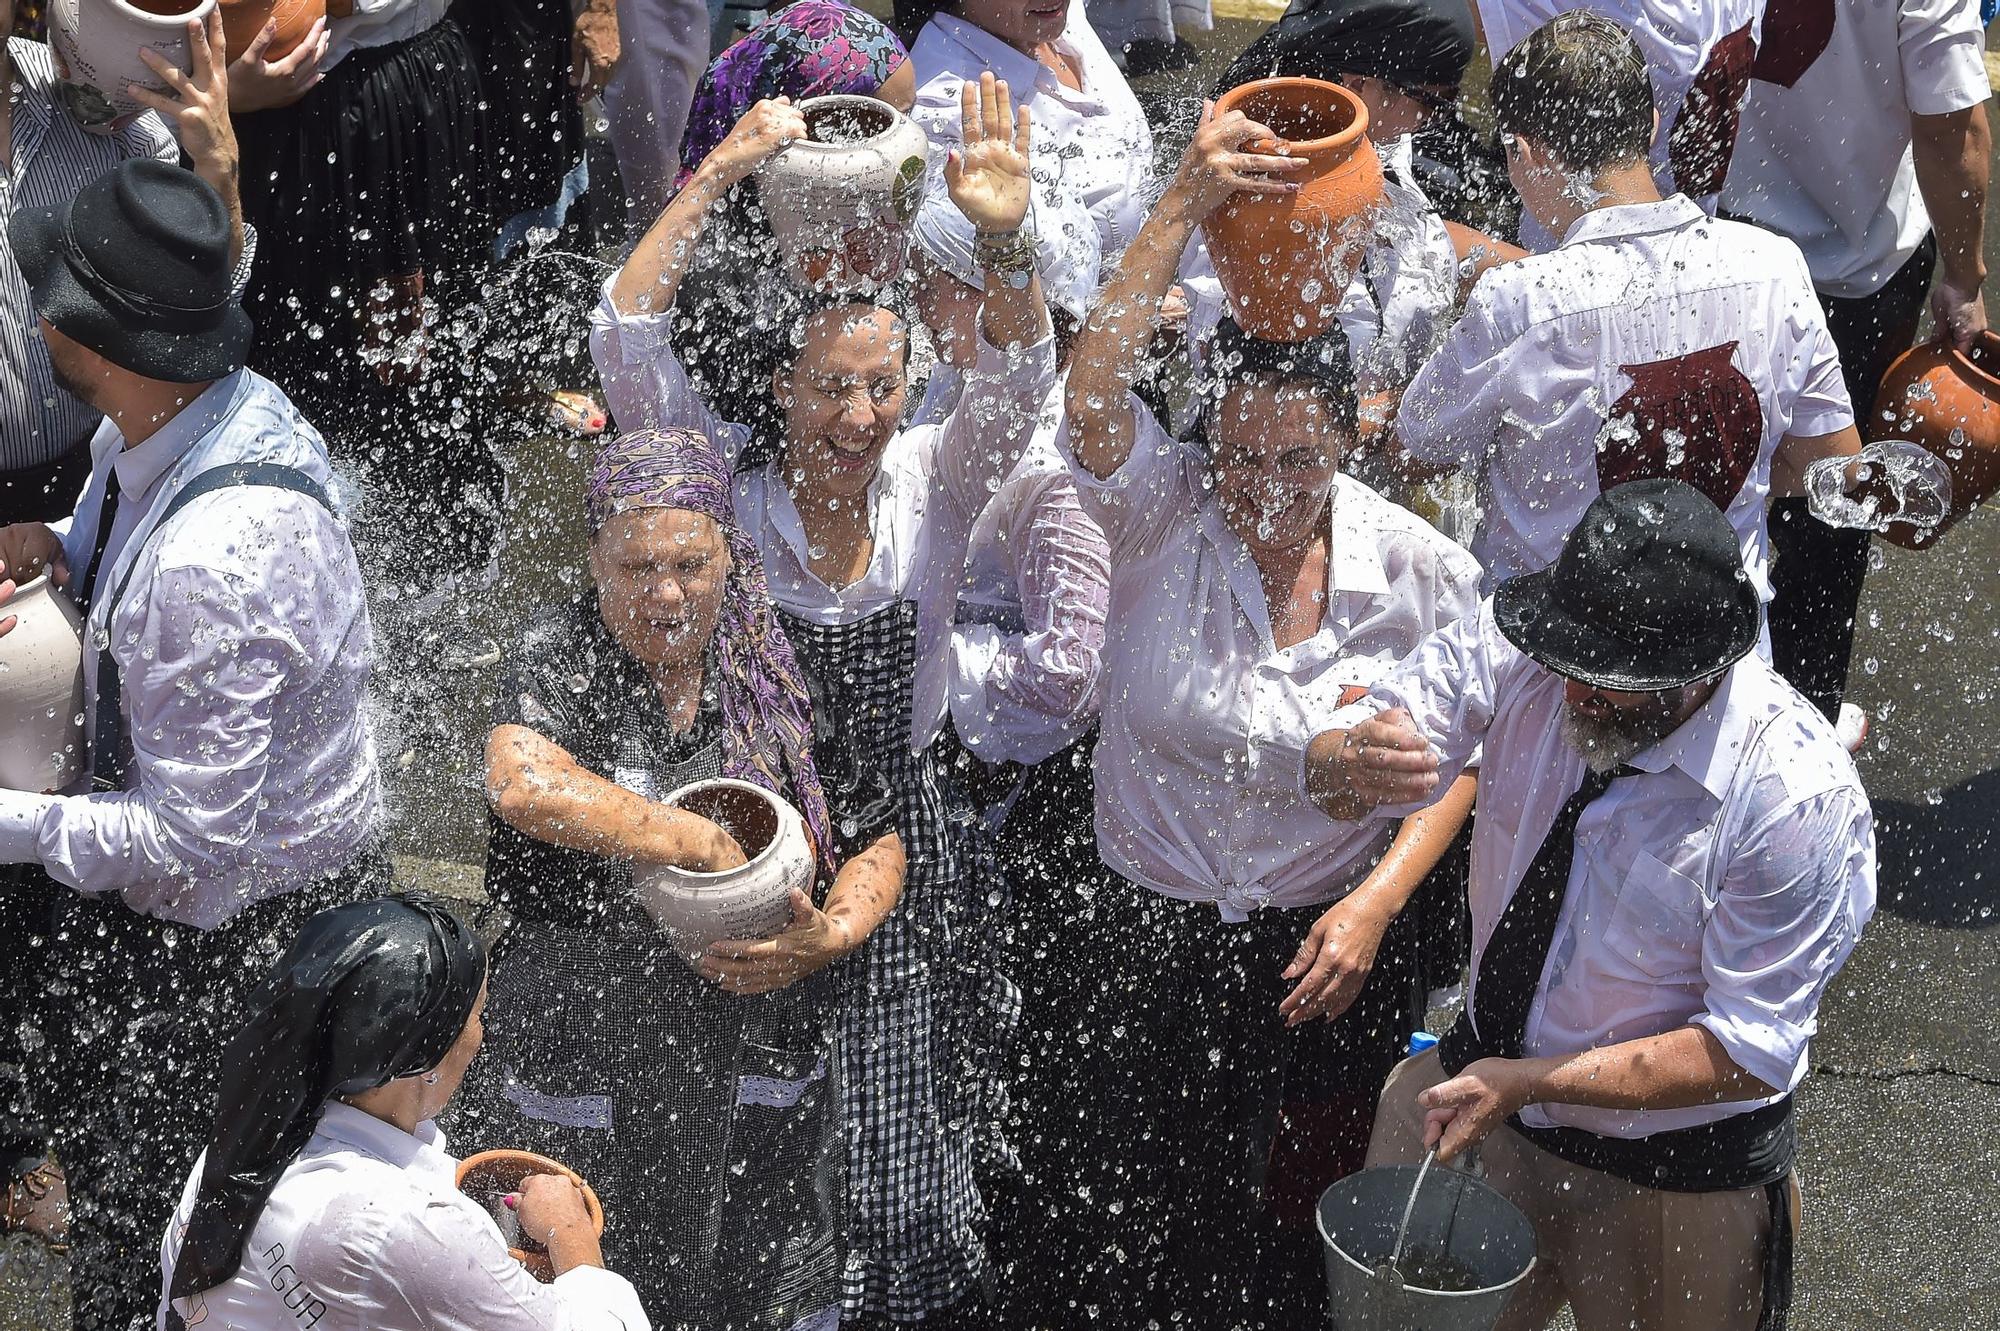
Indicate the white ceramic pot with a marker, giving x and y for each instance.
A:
(754, 901)
(841, 201)
(96, 43)
(41, 690)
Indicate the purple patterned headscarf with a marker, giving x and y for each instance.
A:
(807, 49)
(766, 709)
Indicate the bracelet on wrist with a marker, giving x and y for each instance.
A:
(1008, 255)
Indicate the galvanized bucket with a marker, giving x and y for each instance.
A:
(1458, 1220)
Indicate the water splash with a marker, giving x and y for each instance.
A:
(1894, 481)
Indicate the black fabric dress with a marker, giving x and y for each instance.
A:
(708, 1123)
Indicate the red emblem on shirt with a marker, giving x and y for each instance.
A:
(1695, 418)
(1795, 35)
(1704, 135)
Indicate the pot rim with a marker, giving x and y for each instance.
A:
(149, 18)
(1987, 338)
(778, 807)
(1357, 129)
(835, 100)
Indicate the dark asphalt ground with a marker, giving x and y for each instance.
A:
(1899, 1166)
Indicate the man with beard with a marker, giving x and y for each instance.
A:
(1672, 857)
(231, 785)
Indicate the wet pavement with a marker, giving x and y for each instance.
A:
(1900, 1172)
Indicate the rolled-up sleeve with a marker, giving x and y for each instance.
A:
(1792, 906)
(1132, 504)
(988, 429)
(645, 384)
(1941, 48)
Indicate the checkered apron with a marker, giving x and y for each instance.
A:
(929, 1015)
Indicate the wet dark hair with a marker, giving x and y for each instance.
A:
(1323, 365)
(1578, 87)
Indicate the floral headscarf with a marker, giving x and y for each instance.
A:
(766, 709)
(808, 49)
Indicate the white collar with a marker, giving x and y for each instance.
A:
(140, 467)
(1634, 219)
(420, 1152)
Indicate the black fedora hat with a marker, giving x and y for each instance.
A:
(1649, 593)
(136, 268)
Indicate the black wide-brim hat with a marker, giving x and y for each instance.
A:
(137, 268)
(1649, 593)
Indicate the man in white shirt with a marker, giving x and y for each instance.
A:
(1865, 140)
(1698, 55)
(1654, 341)
(234, 781)
(1672, 859)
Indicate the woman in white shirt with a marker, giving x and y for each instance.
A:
(862, 526)
(1252, 587)
(326, 1197)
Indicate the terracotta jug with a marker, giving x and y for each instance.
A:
(754, 901)
(41, 690)
(840, 202)
(1949, 402)
(491, 1175)
(1285, 260)
(96, 45)
(242, 20)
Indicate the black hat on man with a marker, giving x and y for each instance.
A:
(1649, 593)
(1409, 44)
(137, 268)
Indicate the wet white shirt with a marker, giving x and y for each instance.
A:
(932, 483)
(243, 647)
(1202, 737)
(366, 1231)
(1680, 39)
(1091, 147)
(1824, 154)
(1722, 889)
(1649, 336)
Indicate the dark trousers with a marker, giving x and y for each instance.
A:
(27, 905)
(1156, 1081)
(1817, 570)
(144, 1009)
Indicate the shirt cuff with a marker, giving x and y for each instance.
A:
(1771, 1050)
(20, 826)
(239, 281)
(595, 1290)
(641, 337)
(998, 363)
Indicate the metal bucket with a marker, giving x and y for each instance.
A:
(1457, 1217)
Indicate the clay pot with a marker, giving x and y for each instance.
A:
(41, 690)
(1949, 402)
(840, 202)
(491, 1175)
(242, 20)
(96, 45)
(754, 901)
(1285, 259)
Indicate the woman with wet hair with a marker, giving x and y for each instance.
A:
(862, 526)
(1255, 949)
(703, 1102)
(326, 1196)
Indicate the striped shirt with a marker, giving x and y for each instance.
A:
(52, 159)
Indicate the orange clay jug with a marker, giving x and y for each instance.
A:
(242, 20)
(1284, 260)
(1949, 402)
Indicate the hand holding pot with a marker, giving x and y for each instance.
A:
(554, 1215)
(26, 548)
(257, 84)
(988, 174)
(1219, 163)
(812, 941)
(764, 129)
(1960, 311)
(196, 105)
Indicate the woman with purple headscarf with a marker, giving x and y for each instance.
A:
(702, 1104)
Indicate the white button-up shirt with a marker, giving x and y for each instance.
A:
(1648, 339)
(1092, 146)
(1677, 39)
(1723, 888)
(366, 1231)
(932, 483)
(1205, 721)
(243, 651)
(1824, 156)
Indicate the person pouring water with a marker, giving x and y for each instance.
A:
(326, 1197)
(1673, 856)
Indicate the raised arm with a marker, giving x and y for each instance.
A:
(652, 275)
(1112, 347)
(989, 182)
(196, 108)
(536, 787)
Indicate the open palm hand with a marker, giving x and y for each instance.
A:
(988, 175)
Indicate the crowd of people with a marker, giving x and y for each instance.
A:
(1178, 718)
